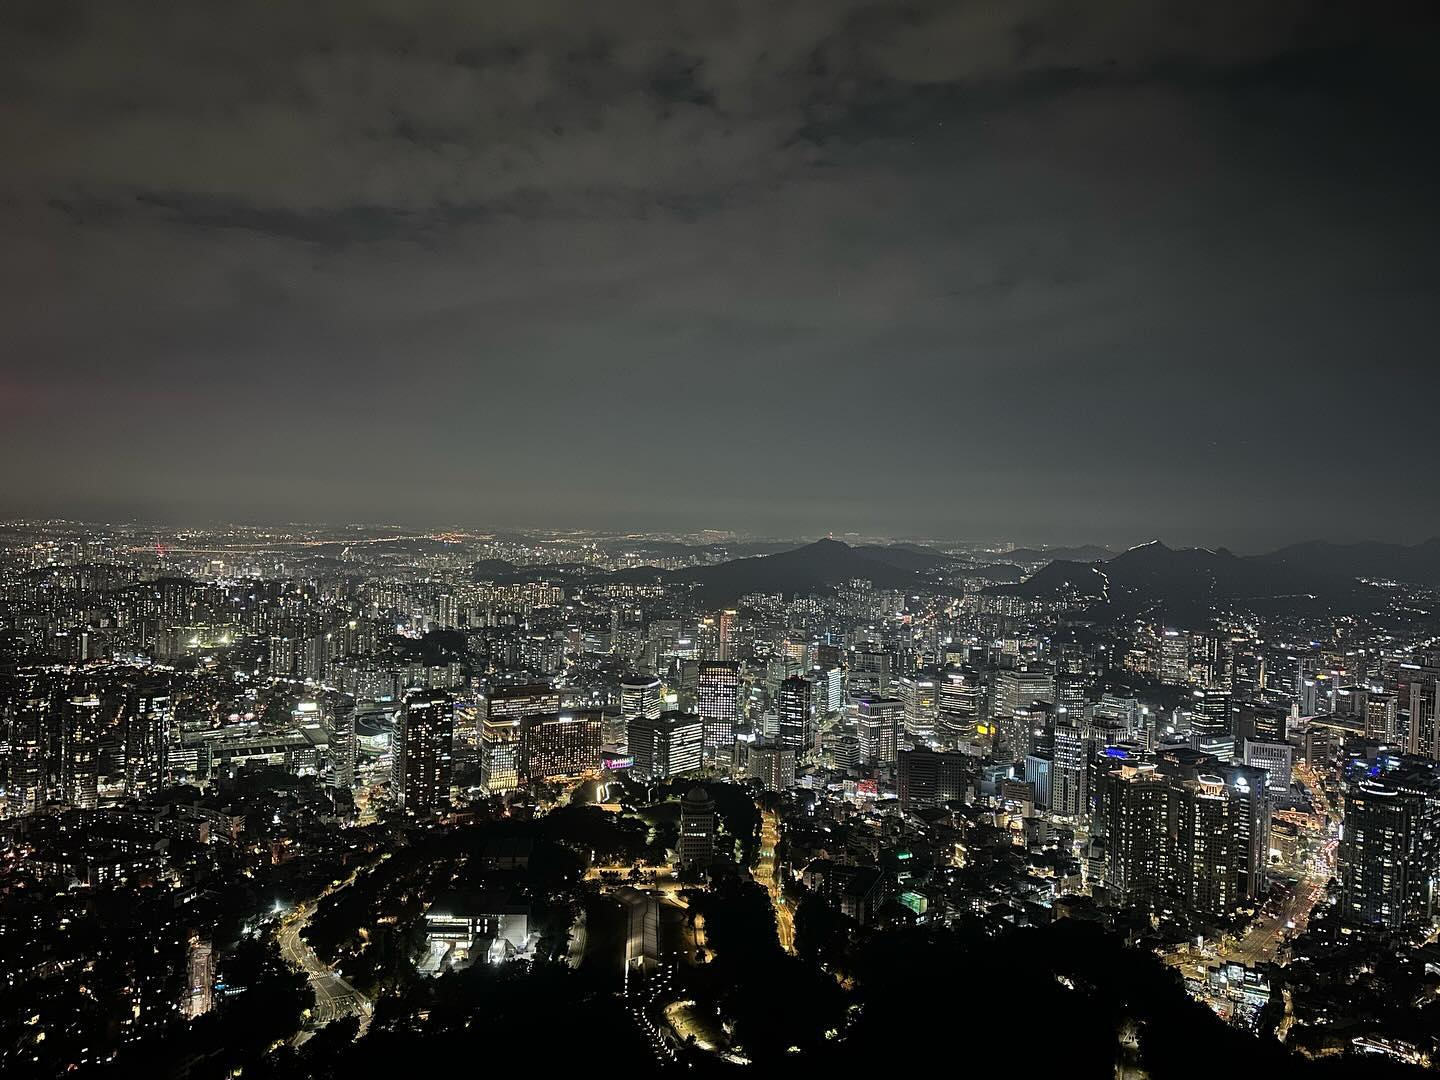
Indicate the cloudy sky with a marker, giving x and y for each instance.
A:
(1025, 269)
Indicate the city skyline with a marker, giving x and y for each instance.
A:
(719, 538)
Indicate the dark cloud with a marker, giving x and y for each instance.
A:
(1004, 268)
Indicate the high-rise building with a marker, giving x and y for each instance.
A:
(1276, 758)
(80, 751)
(878, 722)
(669, 745)
(1139, 851)
(560, 744)
(795, 730)
(1069, 775)
(1256, 720)
(772, 765)
(1210, 722)
(343, 749)
(29, 737)
(919, 693)
(925, 777)
(423, 751)
(831, 684)
(1015, 689)
(1390, 847)
(726, 634)
(697, 829)
(717, 700)
(1187, 826)
(845, 750)
(1215, 841)
(500, 730)
(147, 717)
(1419, 690)
(1382, 717)
(639, 698)
(869, 674)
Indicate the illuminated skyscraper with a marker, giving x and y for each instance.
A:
(697, 829)
(560, 744)
(919, 694)
(146, 716)
(717, 700)
(1210, 726)
(424, 751)
(1390, 847)
(1069, 775)
(639, 699)
(343, 749)
(500, 730)
(1137, 835)
(727, 634)
(795, 731)
(26, 783)
(878, 721)
(80, 751)
(668, 745)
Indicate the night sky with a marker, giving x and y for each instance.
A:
(1020, 269)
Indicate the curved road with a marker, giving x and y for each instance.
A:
(334, 997)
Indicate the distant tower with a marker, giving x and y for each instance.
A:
(727, 632)
(147, 723)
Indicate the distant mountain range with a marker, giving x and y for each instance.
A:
(1189, 579)
(799, 570)
(820, 565)
(1180, 579)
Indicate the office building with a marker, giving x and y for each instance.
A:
(505, 708)
(1278, 761)
(795, 730)
(925, 777)
(1069, 774)
(669, 745)
(772, 765)
(717, 700)
(1210, 728)
(697, 829)
(639, 699)
(878, 721)
(919, 694)
(559, 745)
(869, 671)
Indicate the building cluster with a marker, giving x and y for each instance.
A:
(931, 753)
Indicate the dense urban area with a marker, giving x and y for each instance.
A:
(312, 801)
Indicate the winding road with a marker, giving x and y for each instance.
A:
(334, 997)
